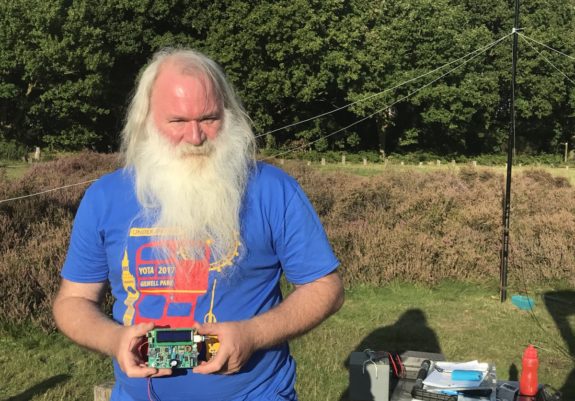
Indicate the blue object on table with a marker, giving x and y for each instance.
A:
(523, 302)
(467, 375)
(449, 392)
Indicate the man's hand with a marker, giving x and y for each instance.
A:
(78, 315)
(306, 307)
(128, 352)
(236, 346)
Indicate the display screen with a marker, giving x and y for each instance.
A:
(174, 336)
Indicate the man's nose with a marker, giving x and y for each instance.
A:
(194, 134)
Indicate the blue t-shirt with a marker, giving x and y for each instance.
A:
(280, 232)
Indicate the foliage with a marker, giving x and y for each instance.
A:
(68, 67)
(35, 232)
(443, 224)
(407, 225)
(11, 150)
(54, 80)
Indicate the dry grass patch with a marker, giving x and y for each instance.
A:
(402, 224)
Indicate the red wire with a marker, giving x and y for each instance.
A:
(396, 364)
(392, 362)
(401, 366)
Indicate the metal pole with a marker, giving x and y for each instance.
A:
(566, 151)
(510, 148)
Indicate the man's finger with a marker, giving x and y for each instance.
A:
(137, 371)
(206, 328)
(215, 365)
(162, 372)
(142, 328)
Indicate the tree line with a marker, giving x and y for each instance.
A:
(67, 68)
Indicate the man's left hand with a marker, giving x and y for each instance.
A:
(236, 346)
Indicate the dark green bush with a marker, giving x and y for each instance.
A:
(11, 150)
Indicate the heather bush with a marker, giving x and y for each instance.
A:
(410, 226)
(35, 233)
(398, 225)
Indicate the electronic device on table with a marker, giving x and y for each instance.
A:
(179, 348)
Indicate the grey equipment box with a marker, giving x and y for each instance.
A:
(370, 379)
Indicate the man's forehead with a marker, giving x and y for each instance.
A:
(172, 77)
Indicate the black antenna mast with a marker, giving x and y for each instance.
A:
(510, 151)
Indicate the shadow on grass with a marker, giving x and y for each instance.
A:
(409, 333)
(40, 388)
(561, 305)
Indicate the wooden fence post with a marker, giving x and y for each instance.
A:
(103, 392)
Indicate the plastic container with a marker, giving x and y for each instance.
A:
(523, 302)
(466, 375)
(529, 364)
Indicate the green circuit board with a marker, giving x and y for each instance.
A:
(173, 348)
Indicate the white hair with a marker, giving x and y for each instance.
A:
(201, 196)
(191, 63)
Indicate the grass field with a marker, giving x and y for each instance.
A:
(397, 224)
(461, 321)
(14, 169)
(375, 169)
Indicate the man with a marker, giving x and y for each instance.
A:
(194, 233)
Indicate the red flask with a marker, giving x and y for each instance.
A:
(528, 382)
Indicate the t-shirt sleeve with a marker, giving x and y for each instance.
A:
(303, 248)
(86, 261)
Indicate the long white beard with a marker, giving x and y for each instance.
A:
(196, 192)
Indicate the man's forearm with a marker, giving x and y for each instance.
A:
(305, 308)
(83, 322)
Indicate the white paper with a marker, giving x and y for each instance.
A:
(442, 378)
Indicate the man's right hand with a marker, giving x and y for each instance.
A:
(128, 352)
(78, 315)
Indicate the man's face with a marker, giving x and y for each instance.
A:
(184, 109)
(192, 161)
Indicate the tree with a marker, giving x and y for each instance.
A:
(53, 80)
(279, 55)
(466, 111)
(66, 84)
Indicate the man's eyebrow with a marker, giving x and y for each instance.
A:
(204, 116)
(215, 114)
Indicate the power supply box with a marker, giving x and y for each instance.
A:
(369, 377)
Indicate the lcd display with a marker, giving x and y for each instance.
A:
(174, 336)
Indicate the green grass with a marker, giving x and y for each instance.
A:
(462, 321)
(372, 169)
(39, 366)
(14, 169)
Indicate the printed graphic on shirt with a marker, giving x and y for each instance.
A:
(162, 283)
